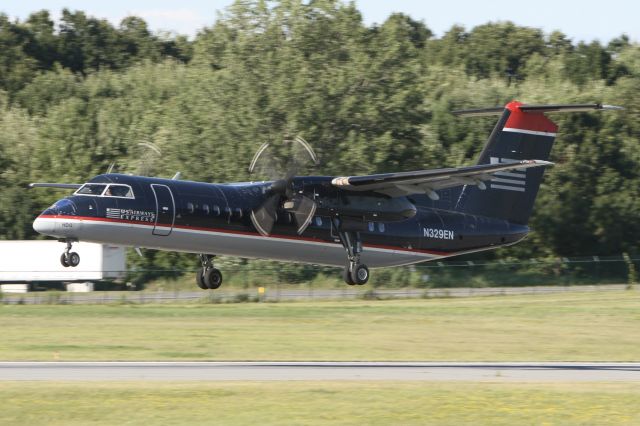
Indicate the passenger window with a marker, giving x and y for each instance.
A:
(205, 209)
(239, 212)
(318, 221)
(190, 207)
(381, 227)
(216, 210)
(372, 226)
(227, 211)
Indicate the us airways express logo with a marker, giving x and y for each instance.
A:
(130, 214)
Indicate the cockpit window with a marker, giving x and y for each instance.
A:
(104, 190)
(123, 191)
(91, 189)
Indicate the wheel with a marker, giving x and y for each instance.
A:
(63, 260)
(346, 276)
(74, 259)
(213, 278)
(200, 279)
(360, 274)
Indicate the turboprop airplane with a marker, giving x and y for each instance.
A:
(378, 220)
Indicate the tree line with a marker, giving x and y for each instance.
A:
(81, 95)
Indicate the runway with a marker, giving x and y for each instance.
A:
(277, 294)
(317, 371)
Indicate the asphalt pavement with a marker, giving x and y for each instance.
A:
(276, 293)
(314, 371)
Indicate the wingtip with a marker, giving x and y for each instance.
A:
(612, 107)
(544, 163)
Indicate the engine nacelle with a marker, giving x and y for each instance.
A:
(368, 207)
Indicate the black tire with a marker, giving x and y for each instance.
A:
(63, 260)
(346, 276)
(200, 279)
(213, 278)
(360, 274)
(74, 259)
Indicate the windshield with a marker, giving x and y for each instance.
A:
(91, 189)
(119, 191)
(104, 190)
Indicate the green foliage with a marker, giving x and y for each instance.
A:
(84, 94)
(81, 44)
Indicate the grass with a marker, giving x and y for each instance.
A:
(300, 403)
(559, 327)
(573, 326)
(242, 279)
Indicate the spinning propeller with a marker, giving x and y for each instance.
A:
(281, 193)
(145, 156)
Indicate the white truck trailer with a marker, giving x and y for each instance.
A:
(37, 261)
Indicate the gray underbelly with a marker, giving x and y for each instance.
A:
(240, 245)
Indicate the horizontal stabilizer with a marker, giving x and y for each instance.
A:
(479, 112)
(55, 185)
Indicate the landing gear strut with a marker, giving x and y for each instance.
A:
(355, 273)
(208, 277)
(69, 258)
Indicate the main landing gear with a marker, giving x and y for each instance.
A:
(69, 258)
(355, 273)
(208, 277)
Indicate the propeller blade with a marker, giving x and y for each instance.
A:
(282, 161)
(301, 154)
(264, 217)
(303, 211)
(280, 186)
(149, 154)
(308, 148)
(297, 152)
(257, 155)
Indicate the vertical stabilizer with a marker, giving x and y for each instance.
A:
(518, 135)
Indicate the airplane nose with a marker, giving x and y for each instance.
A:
(44, 226)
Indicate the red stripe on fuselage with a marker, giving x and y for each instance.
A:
(227, 231)
(534, 121)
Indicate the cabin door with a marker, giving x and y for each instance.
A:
(165, 210)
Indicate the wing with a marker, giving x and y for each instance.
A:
(428, 181)
(55, 185)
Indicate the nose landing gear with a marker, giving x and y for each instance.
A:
(69, 258)
(208, 277)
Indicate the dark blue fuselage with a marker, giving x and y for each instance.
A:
(214, 218)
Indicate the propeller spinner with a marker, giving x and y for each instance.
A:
(282, 192)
